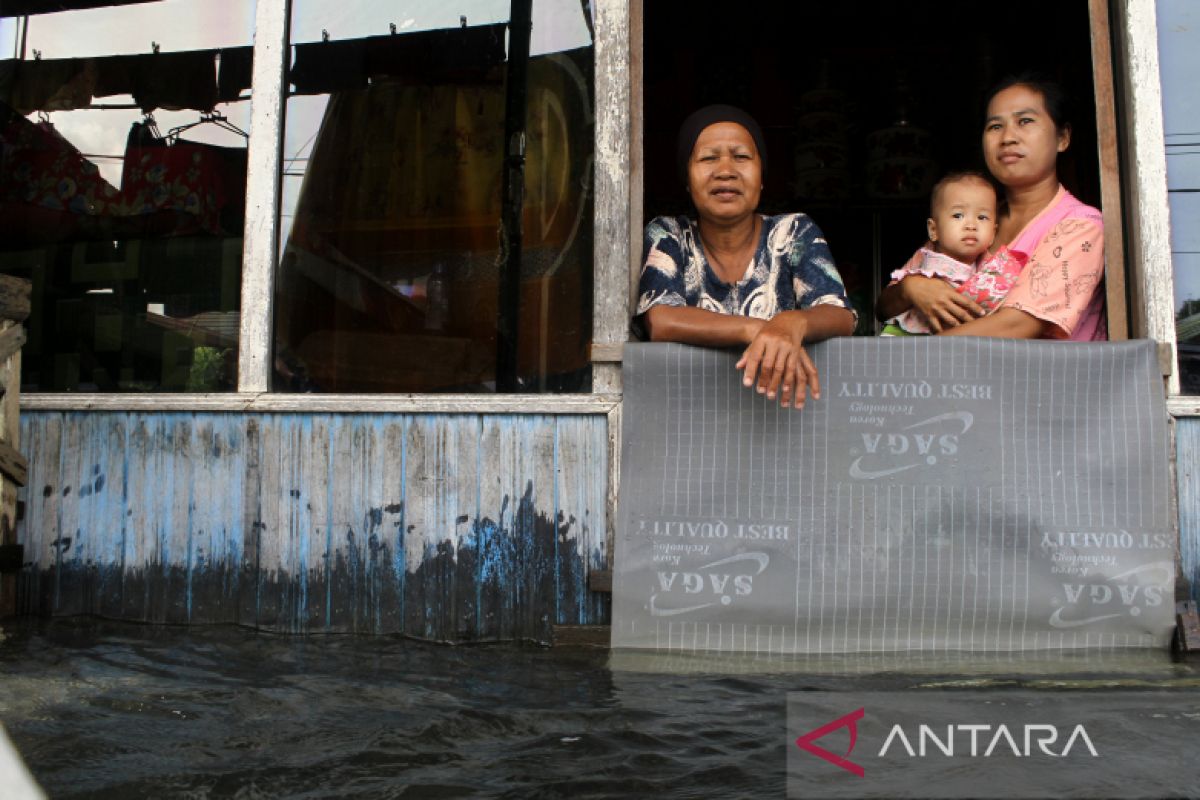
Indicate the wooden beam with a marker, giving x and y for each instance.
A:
(13, 464)
(13, 467)
(581, 635)
(612, 493)
(636, 146)
(600, 581)
(1146, 206)
(14, 298)
(263, 191)
(606, 352)
(1166, 359)
(1110, 171)
(11, 340)
(611, 230)
(249, 402)
(1187, 629)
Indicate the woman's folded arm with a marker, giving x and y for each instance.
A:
(690, 325)
(939, 303)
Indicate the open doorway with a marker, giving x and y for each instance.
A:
(862, 107)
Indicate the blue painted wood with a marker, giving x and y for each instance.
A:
(1187, 469)
(446, 527)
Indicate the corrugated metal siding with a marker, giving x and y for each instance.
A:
(448, 527)
(1187, 457)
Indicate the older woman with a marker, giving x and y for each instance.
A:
(1058, 294)
(733, 277)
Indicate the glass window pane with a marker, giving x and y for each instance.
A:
(124, 135)
(1179, 63)
(389, 277)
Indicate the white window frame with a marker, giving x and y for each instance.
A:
(1151, 275)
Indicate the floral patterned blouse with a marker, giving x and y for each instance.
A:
(792, 268)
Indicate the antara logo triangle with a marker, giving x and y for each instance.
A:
(808, 741)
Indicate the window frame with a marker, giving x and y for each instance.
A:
(1099, 17)
(1147, 227)
(260, 255)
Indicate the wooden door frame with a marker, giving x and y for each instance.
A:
(1110, 169)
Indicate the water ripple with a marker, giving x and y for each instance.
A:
(122, 711)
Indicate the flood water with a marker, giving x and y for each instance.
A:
(101, 709)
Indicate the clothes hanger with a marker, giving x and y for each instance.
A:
(207, 118)
(150, 126)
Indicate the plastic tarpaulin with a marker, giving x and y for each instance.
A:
(943, 494)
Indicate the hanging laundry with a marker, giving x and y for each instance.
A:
(204, 183)
(436, 56)
(59, 84)
(176, 81)
(77, 92)
(237, 64)
(325, 67)
(8, 74)
(48, 190)
(114, 75)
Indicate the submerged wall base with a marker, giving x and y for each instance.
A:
(444, 527)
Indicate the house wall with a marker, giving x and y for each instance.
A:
(1168, 36)
(454, 527)
(1187, 457)
(447, 526)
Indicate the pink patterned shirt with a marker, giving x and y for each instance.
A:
(1063, 282)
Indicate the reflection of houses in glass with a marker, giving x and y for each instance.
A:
(390, 277)
(1187, 334)
(132, 249)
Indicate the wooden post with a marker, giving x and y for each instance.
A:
(1110, 169)
(512, 194)
(14, 309)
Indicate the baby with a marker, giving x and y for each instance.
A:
(961, 226)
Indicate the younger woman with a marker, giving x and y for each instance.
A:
(1059, 293)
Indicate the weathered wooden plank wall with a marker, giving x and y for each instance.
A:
(1187, 474)
(14, 309)
(455, 527)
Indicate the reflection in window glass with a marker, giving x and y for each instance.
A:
(1179, 63)
(123, 134)
(390, 278)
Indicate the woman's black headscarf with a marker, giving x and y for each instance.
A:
(700, 119)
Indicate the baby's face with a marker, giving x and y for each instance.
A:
(964, 220)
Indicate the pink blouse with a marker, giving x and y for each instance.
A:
(1062, 281)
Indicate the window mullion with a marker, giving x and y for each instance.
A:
(612, 181)
(263, 195)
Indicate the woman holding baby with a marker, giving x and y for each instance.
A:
(1056, 294)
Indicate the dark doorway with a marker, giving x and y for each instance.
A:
(863, 105)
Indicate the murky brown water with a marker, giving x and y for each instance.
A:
(102, 709)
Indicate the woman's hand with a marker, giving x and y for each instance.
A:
(934, 299)
(776, 359)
